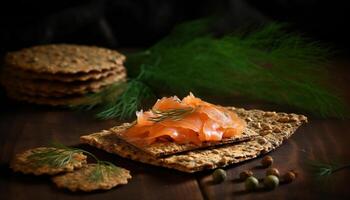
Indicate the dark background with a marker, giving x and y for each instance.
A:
(124, 24)
(133, 23)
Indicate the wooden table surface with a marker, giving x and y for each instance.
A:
(28, 126)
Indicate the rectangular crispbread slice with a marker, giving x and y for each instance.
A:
(161, 149)
(273, 128)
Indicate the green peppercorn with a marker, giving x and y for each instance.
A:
(245, 174)
(271, 182)
(267, 161)
(219, 175)
(251, 183)
(289, 177)
(273, 171)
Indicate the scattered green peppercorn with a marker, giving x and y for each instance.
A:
(251, 183)
(245, 174)
(273, 171)
(271, 182)
(219, 175)
(289, 177)
(267, 161)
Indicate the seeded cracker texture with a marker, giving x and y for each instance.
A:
(21, 163)
(80, 76)
(52, 101)
(161, 149)
(52, 95)
(49, 87)
(61, 74)
(80, 180)
(64, 58)
(273, 128)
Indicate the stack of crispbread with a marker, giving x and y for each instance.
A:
(265, 131)
(60, 74)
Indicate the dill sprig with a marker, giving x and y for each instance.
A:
(60, 155)
(126, 104)
(171, 114)
(324, 170)
(108, 94)
(52, 157)
(103, 170)
(265, 64)
(120, 100)
(56, 156)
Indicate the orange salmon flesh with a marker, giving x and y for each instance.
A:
(190, 120)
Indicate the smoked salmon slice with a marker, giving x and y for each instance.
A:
(190, 120)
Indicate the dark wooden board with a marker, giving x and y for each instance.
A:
(322, 139)
(31, 126)
(28, 126)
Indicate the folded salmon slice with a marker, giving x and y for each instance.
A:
(190, 120)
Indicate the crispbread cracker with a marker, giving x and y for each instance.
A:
(48, 87)
(83, 181)
(64, 94)
(23, 163)
(64, 58)
(160, 149)
(272, 127)
(52, 101)
(56, 95)
(95, 75)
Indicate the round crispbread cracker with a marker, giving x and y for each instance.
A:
(27, 164)
(81, 76)
(51, 101)
(83, 180)
(52, 87)
(54, 95)
(64, 58)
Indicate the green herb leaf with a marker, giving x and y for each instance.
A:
(266, 64)
(107, 95)
(263, 64)
(322, 170)
(53, 157)
(128, 103)
(171, 114)
(60, 155)
(103, 170)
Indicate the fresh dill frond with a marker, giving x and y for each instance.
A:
(108, 94)
(53, 157)
(171, 114)
(323, 170)
(266, 64)
(120, 100)
(59, 155)
(127, 103)
(103, 170)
